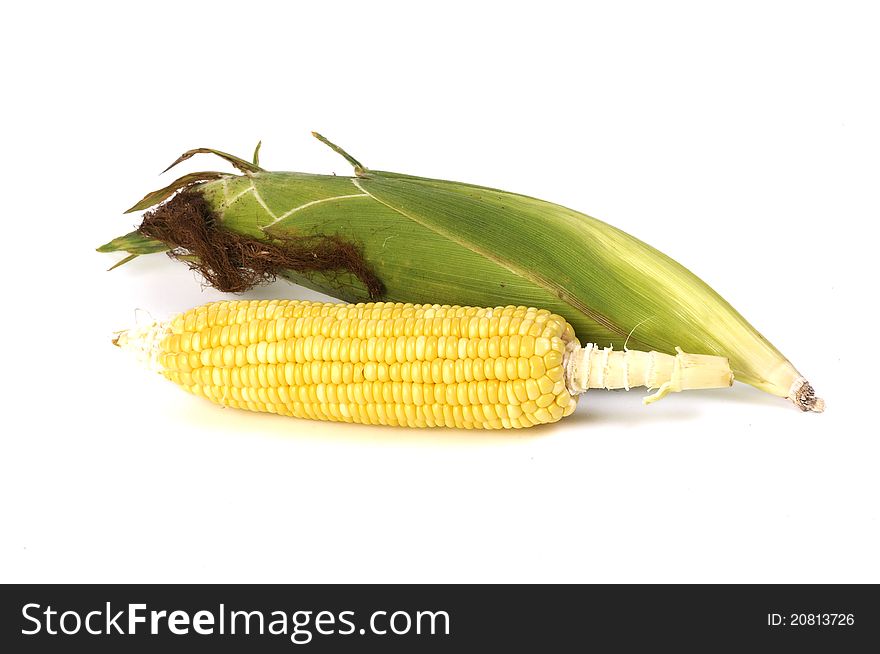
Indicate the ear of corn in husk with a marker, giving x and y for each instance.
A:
(418, 240)
(400, 364)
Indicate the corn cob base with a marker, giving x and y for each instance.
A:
(399, 364)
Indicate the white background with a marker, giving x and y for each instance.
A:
(740, 138)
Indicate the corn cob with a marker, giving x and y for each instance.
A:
(400, 364)
(403, 238)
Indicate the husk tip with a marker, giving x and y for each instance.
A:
(804, 397)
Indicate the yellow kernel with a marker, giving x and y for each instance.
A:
(513, 343)
(526, 346)
(406, 394)
(472, 393)
(183, 362)
(317, 348)
(545, 400)
(553, 358)
(375, 349)
(253, 333)
(396, 392)
(280, 328)
(448, 372)
(299, 350)
(461, 394)
(529, 407)
(532, 390)
(512, 368)
(556, 411)
(461, 370)
(431, 348)
(477, 370)
(409, 349)
(335, 346)
(437, 371)
(415, 371)
(543, 415)
(461, 347)
(542, 346)
(189, 321)
(275, 352)
(271, 376)
(519, 389)
(525, 326)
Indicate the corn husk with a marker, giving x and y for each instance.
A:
(437, 241)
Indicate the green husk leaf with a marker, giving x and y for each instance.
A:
(256, 157)
(241, 164)
(135, 243)
(179, 184)
(359, 168)
(122, 262)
